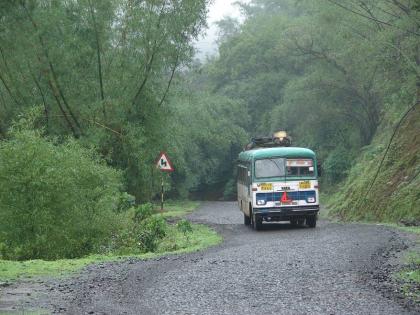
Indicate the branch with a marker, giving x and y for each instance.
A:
(146, 77)
(8, 89)
(57, 99)
(152, 57)
(12, 76)
(389, 145)
(365, 7)
(406, 10)
(56, 86)
(320, 55)
(371, 18)
(170, 80)
(96, 123)
(413, 178)
(98, 53)
(38, 85)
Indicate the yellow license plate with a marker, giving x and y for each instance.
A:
(266, 186)
(305, 185)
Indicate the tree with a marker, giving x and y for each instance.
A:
(101, 69)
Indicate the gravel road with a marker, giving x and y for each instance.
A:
(333, 269)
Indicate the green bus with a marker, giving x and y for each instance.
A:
(278, 184)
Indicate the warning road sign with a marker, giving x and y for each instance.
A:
(163, 163)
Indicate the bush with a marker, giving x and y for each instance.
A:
(143, 212)
(126, 201)
(337, 165)
(230, 190)
(56, 200)
(184, 226)
(141, 232)
(151, 230)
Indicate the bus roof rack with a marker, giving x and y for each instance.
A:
(278, 139)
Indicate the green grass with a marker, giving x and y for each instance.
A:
(201, 237)
(410, 276)
(409, 229)
(394, 196)
(174, 243)
(176, 209)
(324, 211)
(25, 312)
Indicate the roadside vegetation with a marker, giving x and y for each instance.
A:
(177, 209)
(394, 196)
(175, 242)
(409, 277)
(144, 234)
(81, 126)
(62, 208)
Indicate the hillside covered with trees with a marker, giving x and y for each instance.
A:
(344, 80)
(92, 91)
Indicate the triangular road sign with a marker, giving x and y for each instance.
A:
(163, 163)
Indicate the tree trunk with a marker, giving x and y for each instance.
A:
(98, 55)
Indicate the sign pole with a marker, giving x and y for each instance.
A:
(161, 201)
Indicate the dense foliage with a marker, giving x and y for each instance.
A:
(325, 73)
(102, 70)
(209, 131)
(394, 195)
(56, 200)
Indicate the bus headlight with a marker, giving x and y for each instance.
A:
(310, 199)
(261, 202)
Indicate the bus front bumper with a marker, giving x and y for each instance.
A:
(286, 213)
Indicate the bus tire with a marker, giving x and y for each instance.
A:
(311, 221)
(256, 222)
(247, 220)
(251, 217)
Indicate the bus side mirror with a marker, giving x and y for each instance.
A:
(319, 169)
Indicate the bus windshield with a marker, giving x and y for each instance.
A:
(281, 167)
(274, 167)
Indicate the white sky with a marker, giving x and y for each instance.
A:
(217, 11)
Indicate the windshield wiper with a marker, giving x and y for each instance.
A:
(282, 171)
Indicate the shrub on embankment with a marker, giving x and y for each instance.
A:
(395, 195)
(60, 200)
(56, 200)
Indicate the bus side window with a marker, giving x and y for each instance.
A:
(242, 177)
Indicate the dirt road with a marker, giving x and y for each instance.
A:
(332, 269)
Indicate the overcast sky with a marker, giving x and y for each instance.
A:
(219, 9)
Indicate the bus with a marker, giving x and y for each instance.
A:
(278, 184)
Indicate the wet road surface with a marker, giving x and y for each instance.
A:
(332, 269)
